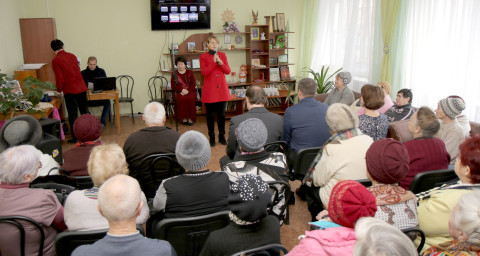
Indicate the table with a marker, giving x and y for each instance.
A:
(44, 113)
(107, 95)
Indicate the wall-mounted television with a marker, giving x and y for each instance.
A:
(180, 14)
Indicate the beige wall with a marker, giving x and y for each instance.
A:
(11, 55)
(118, 33)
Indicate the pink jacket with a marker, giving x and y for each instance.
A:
(331, 241)
(386, 106)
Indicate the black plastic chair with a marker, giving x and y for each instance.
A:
(302, 162)
(61, 190)
(157, 86)
(269, 249)
(66, 242)
(125, 82)
(188, 235)
(365, 182)
(277, 146)
(431, 179)
(408, 231)
(16, 221)
(281, 192)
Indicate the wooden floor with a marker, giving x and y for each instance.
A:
(299, 215)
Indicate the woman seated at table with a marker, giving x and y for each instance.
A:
(186, 94)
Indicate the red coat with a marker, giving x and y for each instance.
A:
(67, 73)
(215, 87)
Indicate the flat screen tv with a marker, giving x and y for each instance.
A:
(180, 14)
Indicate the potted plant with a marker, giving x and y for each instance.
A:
(323, 83)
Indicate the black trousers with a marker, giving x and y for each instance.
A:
(314, 203)
(75, 103)
(217, 108)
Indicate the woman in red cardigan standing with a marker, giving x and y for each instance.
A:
(215, 93)
(186, 94)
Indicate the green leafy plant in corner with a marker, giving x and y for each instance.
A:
(324, 85)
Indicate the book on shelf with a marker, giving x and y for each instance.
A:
(274, 74)
(284, 73)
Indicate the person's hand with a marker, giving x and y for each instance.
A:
(184, 92)
(217, 59)
(322, 214)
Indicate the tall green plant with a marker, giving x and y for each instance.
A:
(324, 85)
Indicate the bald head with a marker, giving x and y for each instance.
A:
(119, 198)
(154, 114)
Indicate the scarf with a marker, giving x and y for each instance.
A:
(334, 139)
(453, 248)
(386, 194)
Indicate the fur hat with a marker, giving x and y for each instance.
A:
(340, 117)
(20, 130)
(387, 161)
(87, 128)
(252, 135)
(193, 151)
(350, 201)
(249, 198)
(452, 107)
(346, 77)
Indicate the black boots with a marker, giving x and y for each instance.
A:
(212, 139)
(221, 139)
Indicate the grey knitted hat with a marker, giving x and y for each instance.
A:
(20, 130)
(339, 117)
(346, 76)
(452, 106)
(193, 151)
(252, 135)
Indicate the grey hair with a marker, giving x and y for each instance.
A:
(119, 198)
(376, 237)
(466, 217)
(154, 113)
(16, 162)
(340, 117)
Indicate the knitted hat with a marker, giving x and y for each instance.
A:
(249, 198)
(452, 106)
(87, 128)
(193, 151)
(387, 161)
(252, 135)
(20, 130)
(350, 201)
(346, 77)
(340, 117)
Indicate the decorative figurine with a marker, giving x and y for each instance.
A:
(262, 36)
(255, 18)
(243, 73)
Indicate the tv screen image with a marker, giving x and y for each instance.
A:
(180, 14)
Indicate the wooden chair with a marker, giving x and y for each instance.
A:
(16, 221)
(157, 90)
(431, 179)
(126, 82)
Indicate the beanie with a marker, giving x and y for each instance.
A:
(249, 198)
(193, 151)
(252, 135)
(452, 107)
(346, 77)
(20, 130)
(387, 161)
(87, 128)
(340, 117)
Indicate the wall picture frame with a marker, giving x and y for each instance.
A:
(205, 46)
(280, 21)
(191, 46)
(273, 61)
(255, 32)
(274, 74)
(227, 39)
(255, 62)
(195, 63)
(282, 59)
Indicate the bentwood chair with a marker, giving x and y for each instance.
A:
(125, 83)
(431, 179)
(269, 249)
(157, 90)
(18, 224)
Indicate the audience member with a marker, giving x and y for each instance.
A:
(377, 238)
(387, 163)
(119, 201)
(81, 206)
(462, 119)
(198, 191)
(341, 93)
(256, 98)
(349, 202)
(402, 109)
(464, 228)
(18, 167)
(388, 103)
(435, 205)
(155, 138)
(450, 131)
(341, 158)
(426, 153)
(249, 226)
(88, 130)
(186, 95)
(372, 123)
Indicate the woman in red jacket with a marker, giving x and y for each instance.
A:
(186, 94)
(215, 94)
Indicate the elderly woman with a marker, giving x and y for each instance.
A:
(341, 93)
(464, 228)
(436, 204)
(426, 153)
(81, 212)
(342, 157)
(186, 95)
(373, 123)
(388, 103)
(18, 167)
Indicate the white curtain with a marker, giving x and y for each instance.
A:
(345, 38)
(443, 52)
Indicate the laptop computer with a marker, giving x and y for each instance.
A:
(104, 84)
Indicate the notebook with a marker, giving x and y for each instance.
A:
(104, 84)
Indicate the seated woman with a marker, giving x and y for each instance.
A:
(342, 157)
(464, 228)
(81, 213)
(186, 94)
(349, 202)
(388, 103)
(18, 167)
(425, 152)
(435, 205)
(373, 123)
(387, 164)
(341, 93)
(250, 226)
(87, 129)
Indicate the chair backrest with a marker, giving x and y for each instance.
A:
(60, 190)
(365, 182)
(155, 168)
(409, 231)
(277, 146)
(304, 159)
(188, 235)
(125, 82)
(84, 182)
(66, 242)
(156, 89)
(431, 179)
(281, 195)
(8, 248)
(269, 249)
